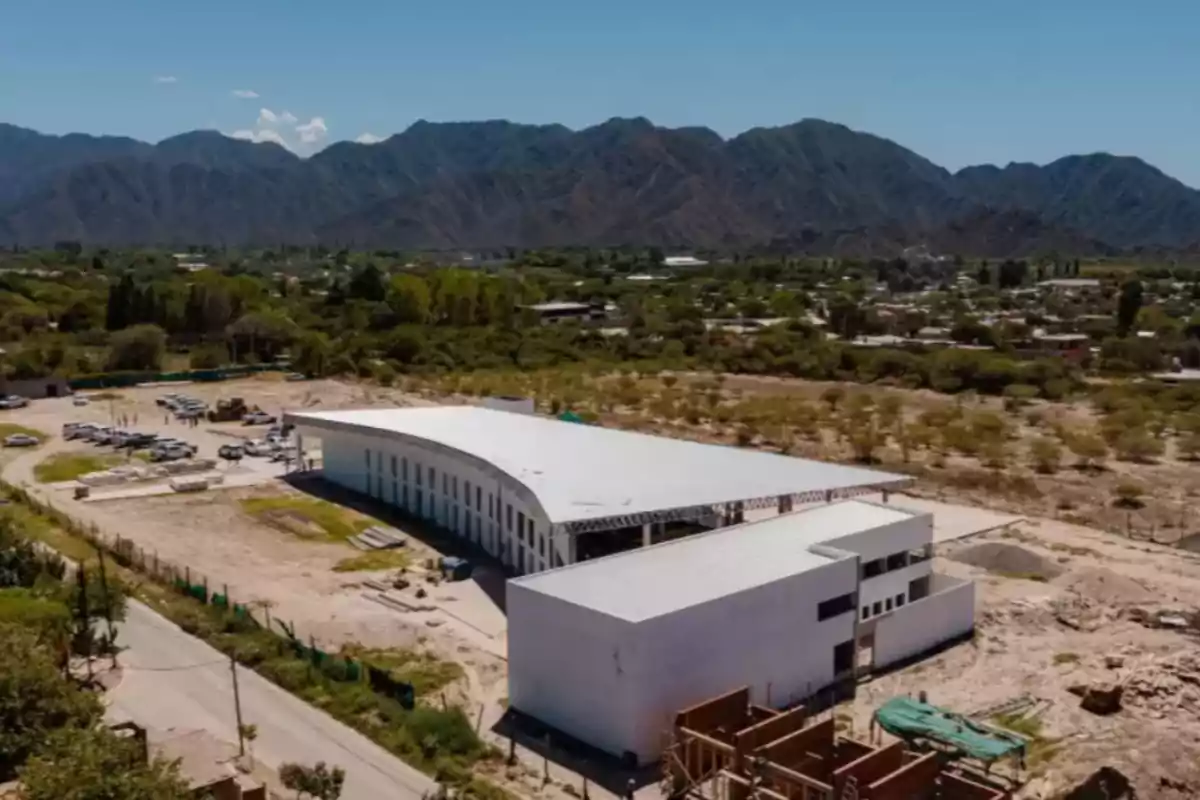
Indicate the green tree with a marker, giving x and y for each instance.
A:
(1128, 305)
(262, 334)
(318, 781)
(95, 764)
(409, 298)
(311, 354)
(367, 284)
(35, 699)
(141, 347)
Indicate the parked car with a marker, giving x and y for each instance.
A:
(257, 447)
(171, 453)
(100, 434)
(230, 452)
(75, 430)
(174, 443)
(166, 399)
(79, 400)
(13, 401)
(20, 440)
(137, 441)
(284, 454)
(258, 418)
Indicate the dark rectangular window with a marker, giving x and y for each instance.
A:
(872, 568)
(835, 606)
(508, 517)
(521, 527)
(417, 470)
(491, 513)
(393, 465)
(467, 494)
(478, 498)
(866, 612)
(899, 600)
(897, 561)
(432, 480)
(887, 606)
(877, 609)
(843, 657)
(404, 468)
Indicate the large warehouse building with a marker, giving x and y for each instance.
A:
(608, 651)
(538, 493)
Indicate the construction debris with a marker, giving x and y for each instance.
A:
(1105, 783)
(1100, 699)
(378, 538)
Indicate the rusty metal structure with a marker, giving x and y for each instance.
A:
(727, 748)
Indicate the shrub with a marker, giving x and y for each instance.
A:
(1046, 455)
(1128, 494)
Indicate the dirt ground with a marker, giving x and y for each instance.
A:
(1057, 604)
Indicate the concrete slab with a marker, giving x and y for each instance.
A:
(950, 522)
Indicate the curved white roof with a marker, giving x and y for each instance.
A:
(583, 472)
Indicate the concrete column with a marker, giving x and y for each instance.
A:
(647, 536)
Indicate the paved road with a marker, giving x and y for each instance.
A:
(172, 679)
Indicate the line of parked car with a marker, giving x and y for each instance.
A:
(162, 448)
(182, 405)
(276, 446)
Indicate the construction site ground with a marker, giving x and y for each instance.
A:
(1058, 605)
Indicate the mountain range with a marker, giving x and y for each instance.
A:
(813, 186)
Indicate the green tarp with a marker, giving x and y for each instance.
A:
(569, 416)
(907, 718)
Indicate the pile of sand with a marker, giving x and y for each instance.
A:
(1107, 587)
(1009, 559)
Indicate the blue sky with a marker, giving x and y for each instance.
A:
(961, 82)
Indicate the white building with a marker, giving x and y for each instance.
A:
(608, 651)
(537, 493)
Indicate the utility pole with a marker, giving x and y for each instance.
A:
(237, 707)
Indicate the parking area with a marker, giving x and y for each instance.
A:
(255, 533)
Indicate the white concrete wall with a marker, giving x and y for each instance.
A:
(572, 668)
(767, 637)
(365, 464)
(889, 588)
(948, 612)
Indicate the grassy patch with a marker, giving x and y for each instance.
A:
(1066, 658)
(69, 466)
(306, 517)
(373, 560)
(9, 429)
(1040, 749)
(425, 671)
(103, 396)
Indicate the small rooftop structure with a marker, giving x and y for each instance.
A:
(1071, 283)
(661, 579)
(683, 261)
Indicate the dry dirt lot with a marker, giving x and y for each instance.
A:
(1058, 605)
(1062, 606)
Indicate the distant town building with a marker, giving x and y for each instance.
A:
(555, 312)
(683, 261)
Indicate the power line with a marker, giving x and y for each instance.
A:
(174, 669)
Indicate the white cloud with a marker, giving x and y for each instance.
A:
(245, 94)
(312, 131)
(286, 130)
(260, 135)
(165, 79)
(368, 138)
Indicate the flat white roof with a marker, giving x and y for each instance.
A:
(642, 584)
(581, 472)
